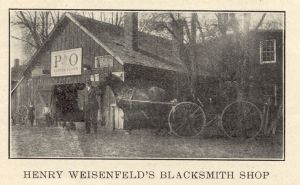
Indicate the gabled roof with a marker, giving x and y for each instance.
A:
(112, 37)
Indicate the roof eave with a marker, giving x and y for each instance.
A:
(94, 38)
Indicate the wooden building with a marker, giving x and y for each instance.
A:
(15, 76)
(81, 49)
(264, 69)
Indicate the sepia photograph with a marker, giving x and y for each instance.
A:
(146, 84)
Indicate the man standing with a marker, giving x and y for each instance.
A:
(31, 113)
(91, 108)
(47, 112)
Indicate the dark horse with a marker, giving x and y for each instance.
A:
(138, 104)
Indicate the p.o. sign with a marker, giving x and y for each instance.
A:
(66, 62)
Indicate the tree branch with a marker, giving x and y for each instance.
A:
(169, 30)
(52, 18)
(261, 21)
(24, 20)
(174, 20)
(187, 30)
(23, 40)
(201, 31)
(58, 18)
(31, 28)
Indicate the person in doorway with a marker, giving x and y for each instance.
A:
(46, 113)
(31, 113)
(91, 108)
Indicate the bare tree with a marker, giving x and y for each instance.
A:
(186, 33)
(35, 27)
(199, 42)
(237, 66)
(37, 24)
(117, 18)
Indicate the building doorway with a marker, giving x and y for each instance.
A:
(68, 103)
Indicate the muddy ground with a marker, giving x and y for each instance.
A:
(53, 142)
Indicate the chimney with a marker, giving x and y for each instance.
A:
(131, 30)
(16, 63)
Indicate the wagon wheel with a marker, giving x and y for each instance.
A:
(241, 119)
(22, 114)
(186, 119)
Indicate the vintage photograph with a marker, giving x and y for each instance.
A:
(103, 84)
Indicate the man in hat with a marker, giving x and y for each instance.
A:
(91, 108)
(31, 116)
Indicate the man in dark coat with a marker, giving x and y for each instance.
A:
(31, 113)
(91, 108)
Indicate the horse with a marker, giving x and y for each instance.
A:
(139, 104)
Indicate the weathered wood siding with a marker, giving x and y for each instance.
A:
(39, 90)
(271, 72)
(268, 76)
(21, 96)
(70, 36)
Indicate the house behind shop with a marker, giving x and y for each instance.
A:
(138, 59)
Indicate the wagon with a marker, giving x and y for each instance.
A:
(237, 119)
(188, 119)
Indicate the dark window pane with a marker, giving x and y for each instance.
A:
(267, 50)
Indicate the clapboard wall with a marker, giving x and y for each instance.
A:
(67, 36)
(70, 36)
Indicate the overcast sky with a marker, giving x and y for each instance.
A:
(16, 45)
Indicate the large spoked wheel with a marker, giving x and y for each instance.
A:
(241, 119)
(186, 119)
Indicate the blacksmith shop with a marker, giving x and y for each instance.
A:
(82, 49)
(125, 64)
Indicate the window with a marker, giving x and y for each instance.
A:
(267, 51)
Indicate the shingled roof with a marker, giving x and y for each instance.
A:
(153, 51)
(156, 52)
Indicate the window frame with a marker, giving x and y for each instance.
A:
(261, 52)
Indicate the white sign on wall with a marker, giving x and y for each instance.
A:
(66, 62)
(103, 61)
(119, 75)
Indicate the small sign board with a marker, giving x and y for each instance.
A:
(94, 77)
(97, 77)
(119, 75)
(103, 61)
(66, 62)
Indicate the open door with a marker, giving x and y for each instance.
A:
(113, 116)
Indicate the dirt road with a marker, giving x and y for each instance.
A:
(56, 142)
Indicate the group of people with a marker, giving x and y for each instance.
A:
(46, 113)
(91, 107)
